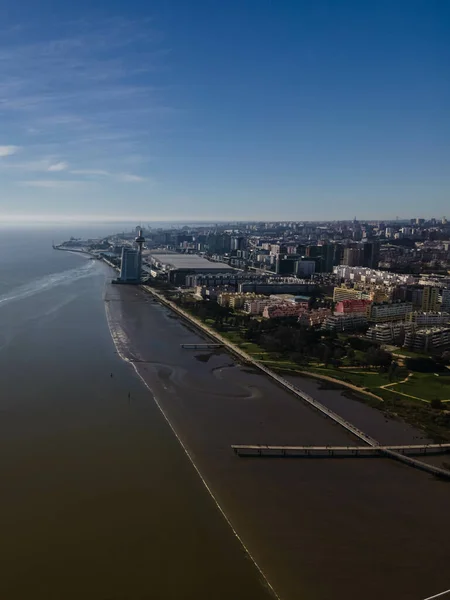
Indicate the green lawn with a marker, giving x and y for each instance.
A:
(426, 386)
(371, 381)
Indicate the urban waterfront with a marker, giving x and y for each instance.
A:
(100, 499)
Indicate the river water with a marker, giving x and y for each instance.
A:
(101, 500)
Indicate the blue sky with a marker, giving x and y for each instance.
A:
(244, 109)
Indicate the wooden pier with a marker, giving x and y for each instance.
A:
(338, 451)
(201, 346)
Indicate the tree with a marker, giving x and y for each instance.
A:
(326, 355)
(351, 354)
(436, 403)
(392, 369)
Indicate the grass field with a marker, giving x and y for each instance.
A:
(426, 386)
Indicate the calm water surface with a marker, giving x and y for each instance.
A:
(98, 499)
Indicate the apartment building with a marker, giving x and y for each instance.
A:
(345, 322)
(352, 306)
(395, 311)
(256, 306)
(428, 319)
(388, 333)
(312, 318)
(347, 293)
(428, 340)
(283, 309)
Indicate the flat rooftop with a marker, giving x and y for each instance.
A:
(188, 262)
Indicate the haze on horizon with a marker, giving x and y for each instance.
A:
(245, 110)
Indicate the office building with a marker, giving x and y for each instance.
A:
(353, 257)
(371, 254)
(130, 266)
(305, 268)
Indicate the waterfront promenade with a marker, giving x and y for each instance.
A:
(435, 470)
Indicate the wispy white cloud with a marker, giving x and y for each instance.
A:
(123, 177)
(59, 166)
(8, 150)
(89, 95)
(49, 183)
(128, 177)
(39, 165)
(93, 172)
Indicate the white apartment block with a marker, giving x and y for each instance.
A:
(371, 276)
(396, 311)
(256, 306)
(427, 340)
(387, 333)
(345, 322)
(428, 319)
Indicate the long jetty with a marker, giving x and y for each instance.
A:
(200, 346)
(258, 450)
(412, 462)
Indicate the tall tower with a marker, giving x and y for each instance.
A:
(140, 240)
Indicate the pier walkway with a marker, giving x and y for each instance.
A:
(201, 346)
(337, 451)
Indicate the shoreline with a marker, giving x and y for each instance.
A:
(116, 341)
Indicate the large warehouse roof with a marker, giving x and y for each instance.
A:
(190, 262)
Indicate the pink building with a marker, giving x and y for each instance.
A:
(284, 309)
(345, 307)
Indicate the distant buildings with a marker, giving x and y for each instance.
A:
(371, 276)
(353, 257)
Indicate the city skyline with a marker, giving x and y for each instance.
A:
(256, 111)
